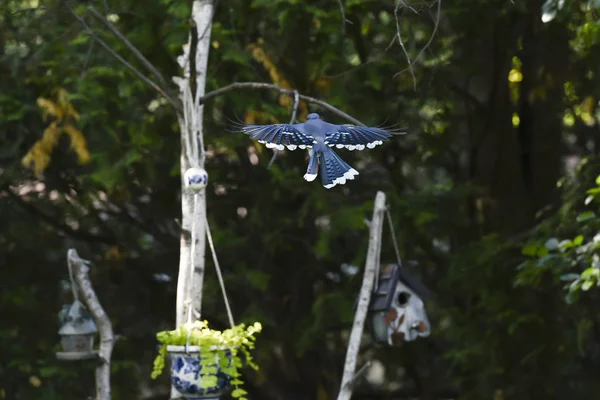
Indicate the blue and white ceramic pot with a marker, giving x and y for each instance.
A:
(186, 374)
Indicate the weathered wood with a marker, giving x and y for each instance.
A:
(107, 338)
(373, 259)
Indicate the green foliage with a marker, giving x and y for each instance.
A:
(577, 259)
(215, 347)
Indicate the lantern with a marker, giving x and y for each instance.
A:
(396, 310)
(77, 332)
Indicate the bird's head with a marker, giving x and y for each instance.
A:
(313, 116)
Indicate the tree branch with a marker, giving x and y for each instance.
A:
(67, 230)
(287, 92)
(292, 120)
(107, 338)
(95, 37)
(129, 45)
(343, 11)
(371, 265)
(435, 28)
(174, 102)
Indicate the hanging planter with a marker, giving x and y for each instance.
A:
(77, 333)
(205, 363)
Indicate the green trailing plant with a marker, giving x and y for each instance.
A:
(218, 350)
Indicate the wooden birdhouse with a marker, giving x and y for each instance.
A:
(396, 310)
(77, 332)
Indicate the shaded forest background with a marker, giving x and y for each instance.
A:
(493, 192)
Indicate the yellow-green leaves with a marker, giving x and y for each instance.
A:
(64, 119)
(219, 350)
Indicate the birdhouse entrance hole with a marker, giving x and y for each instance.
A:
(403, 298)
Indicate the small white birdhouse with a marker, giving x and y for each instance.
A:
(396, 311)
(77, 332)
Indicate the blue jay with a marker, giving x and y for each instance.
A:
(320, 137)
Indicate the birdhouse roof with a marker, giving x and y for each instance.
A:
(76, 320)
(389, 276)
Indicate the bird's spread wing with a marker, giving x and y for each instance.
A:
(354, 137)
(280, 135)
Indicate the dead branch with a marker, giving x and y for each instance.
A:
(55, 223)
(163, 91)
(95, 37)
(371, 265)
(401, 42)
(344, 19)
(287, 92)
(107, 338)
(151, 68)
(292, 120)
(418, 57)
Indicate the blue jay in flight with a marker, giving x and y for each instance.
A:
(320, 137)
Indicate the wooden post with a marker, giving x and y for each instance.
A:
(107, 338)
(373, 260)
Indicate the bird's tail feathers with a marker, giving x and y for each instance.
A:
(334, 170)
(313, 166)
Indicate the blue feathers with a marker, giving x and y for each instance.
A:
(320, 137)
(334, 170)
(355, 137)
(280, 135)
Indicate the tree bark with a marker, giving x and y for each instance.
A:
(194, 62)
(189, 284)
(107, 339)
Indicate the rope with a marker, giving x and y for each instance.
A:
(194, 144)
(393, 232)
(189, 333)
(394, 242)
(218, 268)
(193, 251)
(188, 118)
(396, 249)
(198, 139)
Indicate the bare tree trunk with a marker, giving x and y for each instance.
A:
(373, 254)
(194, 61)
(192, 86)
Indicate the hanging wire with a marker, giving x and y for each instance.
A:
(393, 232)
(198, 138)
(218, 268)
(188, 118)
(193, 252)
(189, 332)
(396, 249)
